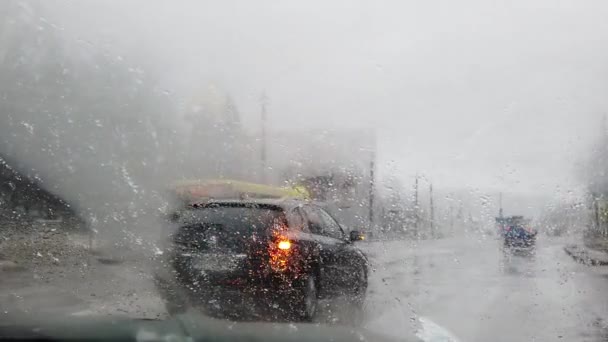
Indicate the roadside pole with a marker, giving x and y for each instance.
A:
(372, 166)
(500, 205)
(432, 211)
(500, 213)
(452, 218)
(263, 117)
(416, 214)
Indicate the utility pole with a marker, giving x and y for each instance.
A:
(500, 219)
(263, 156)
(451, 218)
(500, 205)
(596, 209)
(432, 210)
(416, 218)
(372, 166)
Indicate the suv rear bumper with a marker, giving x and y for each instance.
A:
(266, 297)
(255, 284)
(238, 283)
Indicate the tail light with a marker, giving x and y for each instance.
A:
(284, 245)
(280, 249)
(279, 252)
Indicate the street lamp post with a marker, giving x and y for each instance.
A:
(371, 188)
(432, 211)
(372, 183)
(263, 156)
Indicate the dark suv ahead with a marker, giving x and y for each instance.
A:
(285, 254)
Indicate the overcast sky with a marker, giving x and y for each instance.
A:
(499, 95)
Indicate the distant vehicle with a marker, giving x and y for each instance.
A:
(285, 254)
(516, 232)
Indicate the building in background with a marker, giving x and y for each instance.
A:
(336, 166)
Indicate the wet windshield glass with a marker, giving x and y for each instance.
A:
(431, 170)
(234, 225)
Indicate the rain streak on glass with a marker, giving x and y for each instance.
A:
(377, 171)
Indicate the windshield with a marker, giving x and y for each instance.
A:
(417, 170)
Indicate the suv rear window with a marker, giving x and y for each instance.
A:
(232, 224)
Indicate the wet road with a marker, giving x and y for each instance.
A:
(474, 290)
(467, 286)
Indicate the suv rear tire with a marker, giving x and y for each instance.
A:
(361, 286)
(172, 297)
(307, 299)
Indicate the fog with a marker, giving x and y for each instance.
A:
(456, 87)
(422, 127)
(471, 94)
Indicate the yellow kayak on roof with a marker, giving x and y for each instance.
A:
(196, 190)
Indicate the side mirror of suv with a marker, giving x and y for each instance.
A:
(356, 235)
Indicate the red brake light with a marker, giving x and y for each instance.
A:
(280, 252)
(284, 245)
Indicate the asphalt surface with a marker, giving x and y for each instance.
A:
(476, 291)
(468, 286)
